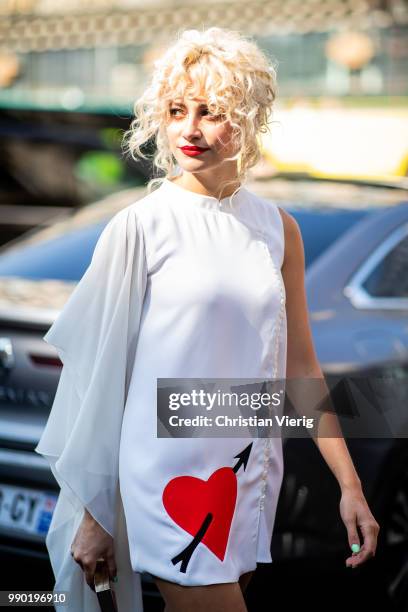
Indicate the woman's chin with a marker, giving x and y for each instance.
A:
(194, 165)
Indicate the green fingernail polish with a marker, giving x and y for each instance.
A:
(355, 548)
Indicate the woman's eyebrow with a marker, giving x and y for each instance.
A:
(182, 103)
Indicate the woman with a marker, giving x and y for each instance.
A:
(199, 279)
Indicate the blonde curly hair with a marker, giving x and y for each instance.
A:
(238, 80)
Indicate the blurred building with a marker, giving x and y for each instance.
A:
(98, 53)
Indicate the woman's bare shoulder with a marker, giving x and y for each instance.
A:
(293, 236)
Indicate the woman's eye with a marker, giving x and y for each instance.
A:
(205, 112)
(215, 117)
(210, 114)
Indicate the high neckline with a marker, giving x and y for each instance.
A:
(231, 202)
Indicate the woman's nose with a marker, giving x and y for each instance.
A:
(191, 126)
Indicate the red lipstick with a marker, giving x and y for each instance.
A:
(192, 151)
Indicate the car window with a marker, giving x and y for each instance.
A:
(389, 278)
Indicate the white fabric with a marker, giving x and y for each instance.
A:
(214, 308)
(95, 336)
(180, 285)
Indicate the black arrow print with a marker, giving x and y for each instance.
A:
(243, 458)
(185, 554)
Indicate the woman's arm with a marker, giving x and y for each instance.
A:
(302, 363)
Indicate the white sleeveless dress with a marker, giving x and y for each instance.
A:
(214, 307)
(180, 286)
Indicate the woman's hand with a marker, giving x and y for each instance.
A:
(92, 542)
(355, 512)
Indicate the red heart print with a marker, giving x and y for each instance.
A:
(188, 500)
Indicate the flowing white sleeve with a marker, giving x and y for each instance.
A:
(95, 336)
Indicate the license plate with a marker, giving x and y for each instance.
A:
(26, 510)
